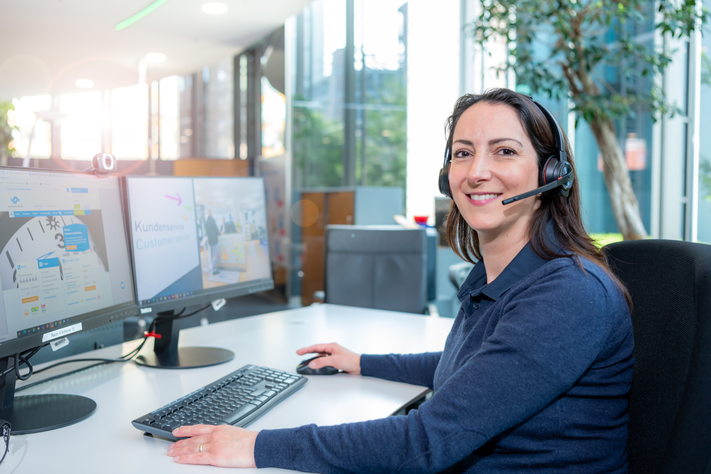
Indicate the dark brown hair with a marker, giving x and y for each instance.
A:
(564, 213)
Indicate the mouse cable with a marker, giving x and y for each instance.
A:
(6, 428)
(124, 358)
(23, 357)
(180, 315)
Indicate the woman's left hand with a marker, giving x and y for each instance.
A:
(222, 445)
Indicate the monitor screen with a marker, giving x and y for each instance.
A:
(197, 239)
(65, 263)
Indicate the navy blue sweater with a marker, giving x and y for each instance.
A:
(534, 378)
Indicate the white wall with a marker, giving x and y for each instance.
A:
(432, 88)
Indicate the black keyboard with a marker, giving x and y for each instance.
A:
(237, 399)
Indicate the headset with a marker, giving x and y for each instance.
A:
(556, 176)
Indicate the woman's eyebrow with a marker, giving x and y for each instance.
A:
(498, 140)
(491, 142)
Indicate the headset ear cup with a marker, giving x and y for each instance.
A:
(554, 170)
(550, 171)
(567, 170)
(444, 181)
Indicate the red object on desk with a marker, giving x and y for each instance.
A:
(422, 220)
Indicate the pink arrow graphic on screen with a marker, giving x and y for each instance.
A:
(175, 198)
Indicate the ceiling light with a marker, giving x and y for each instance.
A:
(140, 14)
(156, 57)
(85, 83)
(214, 8)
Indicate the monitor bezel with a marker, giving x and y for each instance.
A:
(90, 320)
(206, 295)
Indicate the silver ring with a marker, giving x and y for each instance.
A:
(200, 448)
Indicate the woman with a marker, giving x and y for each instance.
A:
(536, 371)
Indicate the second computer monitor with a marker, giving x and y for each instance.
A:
(196, 240)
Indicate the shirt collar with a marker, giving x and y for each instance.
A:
(523, 264)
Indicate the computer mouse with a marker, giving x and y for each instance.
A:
(304, 369)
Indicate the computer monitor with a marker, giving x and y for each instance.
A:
(64, 268)
(194, 240)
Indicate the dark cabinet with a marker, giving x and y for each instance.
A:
(346, 206)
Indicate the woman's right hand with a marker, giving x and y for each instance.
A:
(335, 355)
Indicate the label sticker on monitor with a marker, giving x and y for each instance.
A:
(217, 304)
(59, 343)
(61, 332)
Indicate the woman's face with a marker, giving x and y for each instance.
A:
(492, 160)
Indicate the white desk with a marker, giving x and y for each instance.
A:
(107, 442)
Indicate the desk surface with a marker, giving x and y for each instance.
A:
(107, 442)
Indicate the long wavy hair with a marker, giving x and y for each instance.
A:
(564, 213)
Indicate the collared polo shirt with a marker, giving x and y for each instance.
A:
(534, 378)
(475, 289)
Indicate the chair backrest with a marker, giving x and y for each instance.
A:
(670, 400)
(380, 267)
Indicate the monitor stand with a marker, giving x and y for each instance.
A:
(36, 413)
(167, 355)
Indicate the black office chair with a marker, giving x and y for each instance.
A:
(379, 267)
(670, 401)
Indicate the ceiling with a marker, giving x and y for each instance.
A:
(47, 45)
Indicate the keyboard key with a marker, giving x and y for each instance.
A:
(239, 413)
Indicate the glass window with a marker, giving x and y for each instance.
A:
(169, 117)
(154, 121)
(317, 135)
(273, 120)
(704, 207)
(81, 125)
(349, 119)
(243, 86)
(28, 117)
(129, 122)
(381, 93)
(634, 136)
(185, 91)
(218, 104)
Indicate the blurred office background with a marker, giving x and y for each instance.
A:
(333, 102)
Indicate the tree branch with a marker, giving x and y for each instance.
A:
(607, 85)
(571, 79)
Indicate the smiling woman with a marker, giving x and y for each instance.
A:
(493, 159)
(536, 372)
(513, 131)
